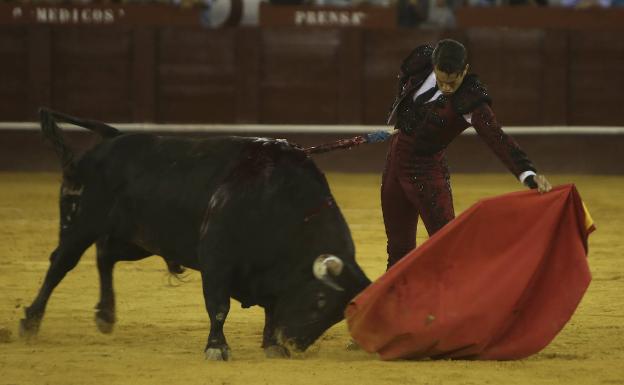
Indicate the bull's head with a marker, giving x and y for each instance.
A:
(318, 303)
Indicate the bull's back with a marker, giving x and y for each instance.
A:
(161, 186)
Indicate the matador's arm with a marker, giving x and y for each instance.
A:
(504, 146)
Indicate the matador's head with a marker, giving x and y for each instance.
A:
(450, 65)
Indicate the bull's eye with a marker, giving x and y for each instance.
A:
(321, 302)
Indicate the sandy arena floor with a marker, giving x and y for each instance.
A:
(162, 329)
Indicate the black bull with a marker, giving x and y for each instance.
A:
(255, 216)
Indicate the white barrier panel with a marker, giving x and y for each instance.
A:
(313, 129)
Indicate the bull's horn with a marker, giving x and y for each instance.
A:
(326, 267)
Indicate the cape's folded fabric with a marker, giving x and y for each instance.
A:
(498, 282)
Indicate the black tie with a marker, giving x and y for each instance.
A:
(425, 96)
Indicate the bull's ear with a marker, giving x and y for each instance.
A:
(326, 267)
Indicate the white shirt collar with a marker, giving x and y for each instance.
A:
(426, 86)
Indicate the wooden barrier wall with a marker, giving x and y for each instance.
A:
(25, 150)
(295, 75)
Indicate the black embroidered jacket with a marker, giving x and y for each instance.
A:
(427, 128)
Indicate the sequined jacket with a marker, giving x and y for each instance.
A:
(427, 128)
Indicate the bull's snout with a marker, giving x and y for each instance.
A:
(292, 346)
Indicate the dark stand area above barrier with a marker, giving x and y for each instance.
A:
(595, 18)
(141, 69)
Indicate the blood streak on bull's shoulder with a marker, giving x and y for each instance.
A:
(255, 160)
(328, 202)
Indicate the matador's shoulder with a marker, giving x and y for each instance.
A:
(470, 94)
(417, 61)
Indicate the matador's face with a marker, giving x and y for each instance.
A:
(448, 83)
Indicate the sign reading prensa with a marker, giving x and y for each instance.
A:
(330, 18)
(310, 16)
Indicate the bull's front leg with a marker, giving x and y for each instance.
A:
(217, 298)
(270, 344)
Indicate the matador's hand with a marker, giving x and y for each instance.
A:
(543, 185)
(377, 136)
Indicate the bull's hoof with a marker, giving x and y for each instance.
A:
(103, 325)
(276, 351)
(218, 354)
(29, 327)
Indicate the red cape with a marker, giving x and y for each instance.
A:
(498, 282)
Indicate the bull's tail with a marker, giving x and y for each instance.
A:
(52, 132)
(103, 129)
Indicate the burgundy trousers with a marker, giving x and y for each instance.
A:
(413, 186)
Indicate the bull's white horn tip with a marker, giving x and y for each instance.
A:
(325, 263)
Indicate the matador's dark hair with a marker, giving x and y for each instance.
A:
(449, 56)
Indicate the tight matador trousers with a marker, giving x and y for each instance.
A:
(413, 185)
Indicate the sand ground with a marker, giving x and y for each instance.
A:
(162, 329)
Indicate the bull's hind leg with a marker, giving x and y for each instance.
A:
(217, 298)
(62, 260)
(110, 251)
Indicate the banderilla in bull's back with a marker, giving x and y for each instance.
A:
(340, 144)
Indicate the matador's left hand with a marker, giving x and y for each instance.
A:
(543, 185)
